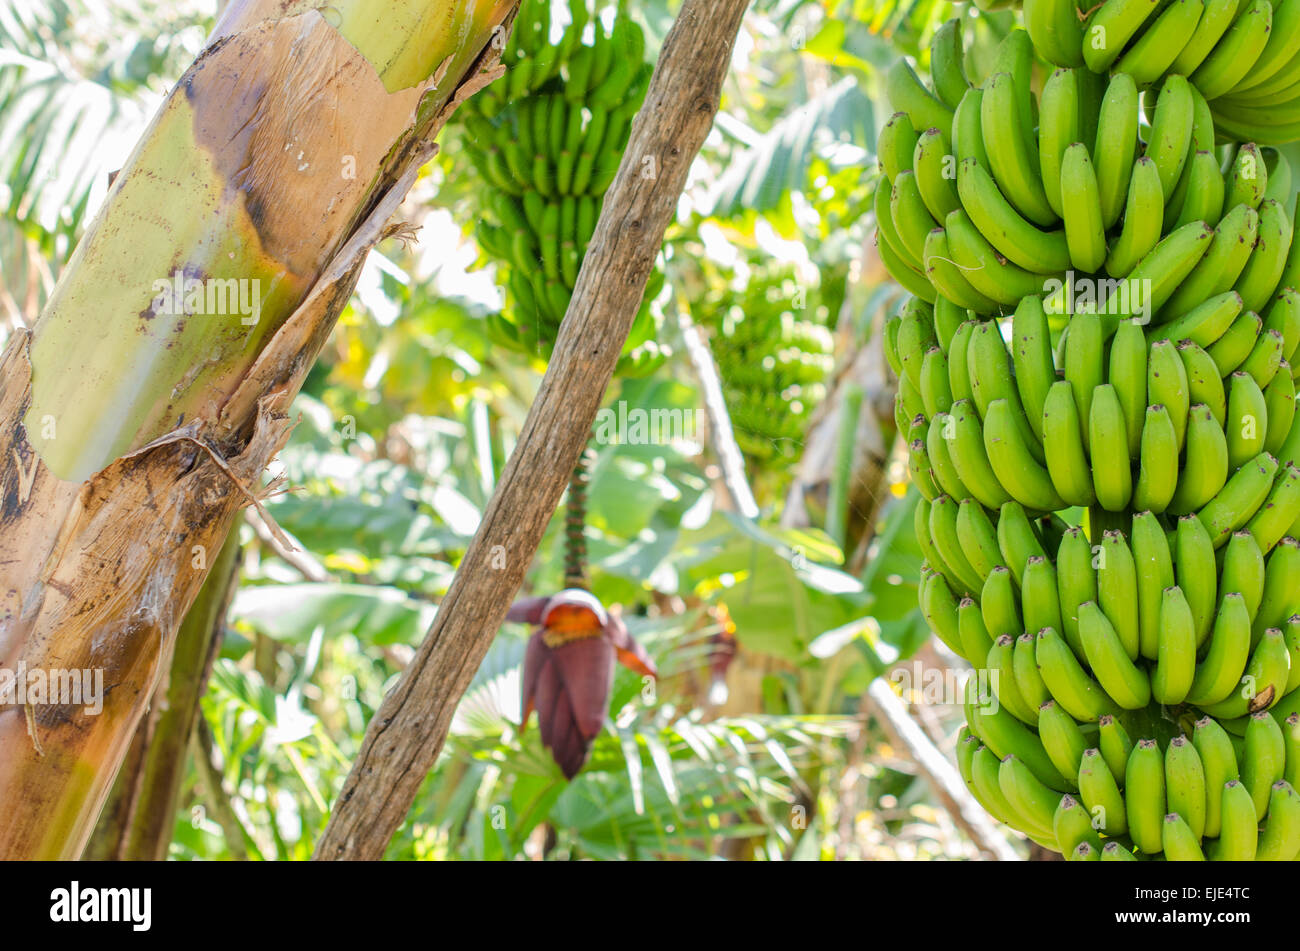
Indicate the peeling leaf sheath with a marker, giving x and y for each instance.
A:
(99, 573)
(259, 164)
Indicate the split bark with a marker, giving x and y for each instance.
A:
(407, 733)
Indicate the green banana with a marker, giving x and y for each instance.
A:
(1204, 385)
(968, 454)
(1109, 29)
(1013, 461)
(1158, 474)
(1076, 580)
(1114, 743)
(1116, 147)
(1128, 374)
(1219, 763)
(1112, 477)
(999, 606)
(1167, 385)
(1239, 499)
(999, 664)
(1006, 141)
(1264, 761)
(1100, 793)
(1279, 510)
(946, 69)
(930, 166)
(1082, 210)
(1067, 461)
(1280, 840)
(1178, 841)
(1176, 649)
(908, 94)
(1197, 573)
(1028, 679)
(1010, 233)
(1123, 681)
(1144, 796)
(1220, 672)
(1058, 126)
(1266, 674)
(979, 538)
(1236, 53)
(1226, 257)
(1144, 211)
(1243, 571)
(972, 632)
(1185, 783)
(1070, 686)
(1085, 367)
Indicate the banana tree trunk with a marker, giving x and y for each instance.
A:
(138, 415)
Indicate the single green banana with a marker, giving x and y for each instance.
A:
(1195, 568)
(941, 431)
(1144, 211)
(1204, 385)
(1124, 681)
(1179, 842)
(1176, 651)
(946, 70)
(1072, 824)
(1157, 46)
(1265, 358)
(1214, 22)
(979, 538)
(1116, 147)
(1010, 233)
(1243, 571)
(1128, 374)
(1167, 385)
(1076, 579)
(1259, 279)
(1100, 793)
(1231, 350)
(999, 605)
(930, 164)
(1032, 800)
(936, 392)
(1144, 796)
(1006, 142)
(972, 632)
(1038, 591)
(947, 277)
(1085, 227)
(1085, 365)
(1028, 679)
(1185, 782)
(1058, 126)
(1031, 358)
(1280, 840)
(1238, 838)
(1203, 198)
(1220, 672)
(1114, 743)
(1117, 591)
(1067, 460)
(908, 94)
(1264, 762)
(1158, 474)
(1279, 401)
(1112, 477)
(1246, 425)
(1171, 130)
(1017, 538)
(1219, 763)
(1057, 32)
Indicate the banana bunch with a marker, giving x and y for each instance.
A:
(1143, 696)
(1242, 55)
(547, 140)
(772, 361)
(990, 195)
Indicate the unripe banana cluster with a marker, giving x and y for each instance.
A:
(548, 139)
(1097, 389)
(773, 359)
(985, 205)
(1242, 55)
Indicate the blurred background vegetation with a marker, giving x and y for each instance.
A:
(768, 626)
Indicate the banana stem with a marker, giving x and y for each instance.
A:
(576, 574)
